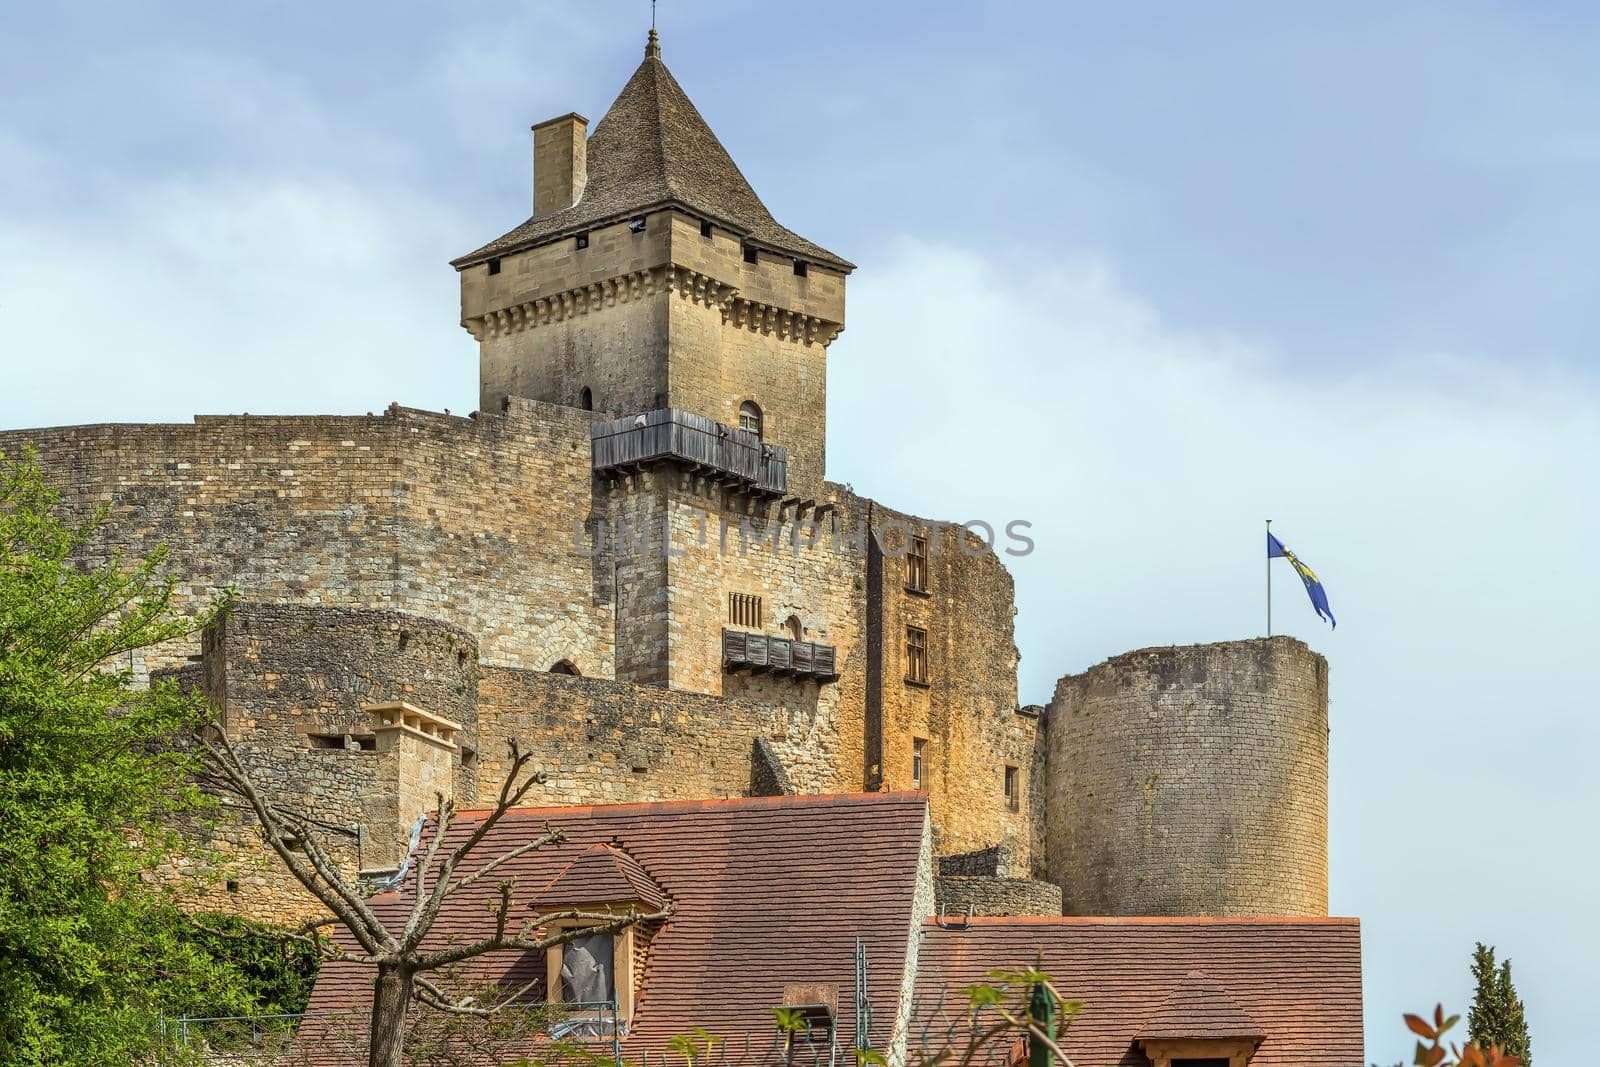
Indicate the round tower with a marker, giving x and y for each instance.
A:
(1191, 781)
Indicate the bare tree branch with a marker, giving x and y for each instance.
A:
(401, 962)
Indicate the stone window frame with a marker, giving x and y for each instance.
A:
(753, 420)
(919, 763)
(1011, 786)
(917, 572)
(917, 656)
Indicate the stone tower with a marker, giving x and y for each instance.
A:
(651, 277)
(1192, 781)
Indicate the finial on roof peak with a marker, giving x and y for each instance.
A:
(652, 48)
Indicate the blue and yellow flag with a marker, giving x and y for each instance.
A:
(1314, 590)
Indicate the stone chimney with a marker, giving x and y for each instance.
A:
(560, 157)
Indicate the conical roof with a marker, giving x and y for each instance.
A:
(651, 150)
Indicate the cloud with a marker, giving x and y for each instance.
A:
(1440, 498)
(238, 292)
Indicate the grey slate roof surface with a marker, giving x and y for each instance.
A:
(652, 149)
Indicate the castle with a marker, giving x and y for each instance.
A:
(631, 560)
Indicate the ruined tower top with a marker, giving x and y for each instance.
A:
(650, 276)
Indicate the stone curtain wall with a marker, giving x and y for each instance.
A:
(466, 520)
(1192, 781)
(604, 742)
(471, 522)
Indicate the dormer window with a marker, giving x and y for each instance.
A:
(1199, 1025)
(593, 974)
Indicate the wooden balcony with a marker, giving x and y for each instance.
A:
(760, 654)
(737, 458)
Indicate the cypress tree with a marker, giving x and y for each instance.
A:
(1496, 1016)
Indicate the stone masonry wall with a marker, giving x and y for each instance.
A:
(966, 712)
(289, 682)
(604, 742)
(988, 895)
(466, 520)
(488, 526)
(1192, 781)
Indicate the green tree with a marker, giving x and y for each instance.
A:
(1496, 1017)
(92, 952)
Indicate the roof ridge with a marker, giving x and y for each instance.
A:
(706, 803)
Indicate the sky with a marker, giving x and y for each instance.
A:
(1333, 266)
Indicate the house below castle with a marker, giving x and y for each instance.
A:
(825, 905)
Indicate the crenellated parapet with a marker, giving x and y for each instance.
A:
(636, 285)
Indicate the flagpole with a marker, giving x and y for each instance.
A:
(1269, 577)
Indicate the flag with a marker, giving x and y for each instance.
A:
(1314, 590)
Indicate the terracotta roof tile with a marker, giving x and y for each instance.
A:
(602, 874)
(1298, 980)
(1199, 1008)
(769, 892)
(652, 149)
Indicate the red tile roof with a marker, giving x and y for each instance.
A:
(1199, 1009)
(769, 892)
(602, 874)
(1299, 980)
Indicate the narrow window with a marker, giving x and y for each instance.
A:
(588, 972)
(233, 887)
(919, 766)
(705, 228)
(799, 268)
(366, 743)
(793, 628)
(494, 265)
(1013, 788)
(917, 565)
(744, 609)
(636, 225)
(566, 667)
(586, 399)
(582, 241)
(916, 655)
(749, 253)
(326, 740)
(750, 417)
